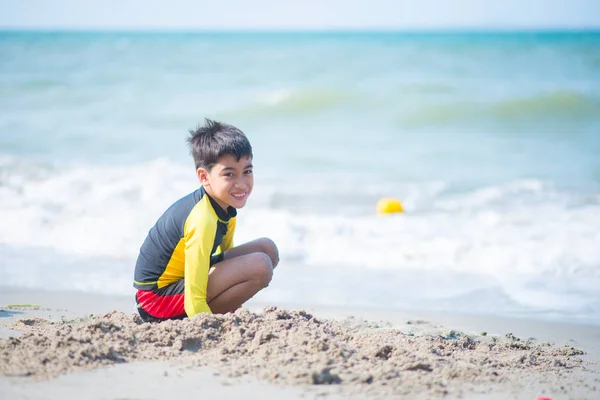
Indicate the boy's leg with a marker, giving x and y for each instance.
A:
(235, 280)
(262, 245)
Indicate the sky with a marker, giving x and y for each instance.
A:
(298, 14)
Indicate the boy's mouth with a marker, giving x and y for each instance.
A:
(239, 195)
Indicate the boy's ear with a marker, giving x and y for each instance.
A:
(202, 176)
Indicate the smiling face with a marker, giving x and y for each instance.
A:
(229, 182)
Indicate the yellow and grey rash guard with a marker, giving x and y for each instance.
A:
(180, 246)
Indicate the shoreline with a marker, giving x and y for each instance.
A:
(58, 304)
(355, 330)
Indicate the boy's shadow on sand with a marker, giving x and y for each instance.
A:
(8, 313)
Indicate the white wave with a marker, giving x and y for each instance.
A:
(521, 227)
(526, 241)
(86, 210)
(529, 240)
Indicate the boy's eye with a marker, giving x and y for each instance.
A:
(248, 172)
(229, 174)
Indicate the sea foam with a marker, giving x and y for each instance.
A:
(528, 239)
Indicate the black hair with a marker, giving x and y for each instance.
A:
(215, 139)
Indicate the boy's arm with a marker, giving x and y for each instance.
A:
(227, 241)
(198, 245)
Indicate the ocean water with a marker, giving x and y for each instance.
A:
(490, 140)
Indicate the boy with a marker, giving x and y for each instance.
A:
(187, 264)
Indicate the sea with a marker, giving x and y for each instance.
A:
(490, 140)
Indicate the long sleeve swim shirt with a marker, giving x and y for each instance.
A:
(181, 245)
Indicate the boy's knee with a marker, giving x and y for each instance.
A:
(269, 248)
(262, 269)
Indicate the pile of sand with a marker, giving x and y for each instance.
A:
(291, 347)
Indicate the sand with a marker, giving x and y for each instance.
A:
(292, 353)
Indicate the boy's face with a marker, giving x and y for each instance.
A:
(229, 182)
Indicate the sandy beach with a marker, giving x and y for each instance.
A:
(487, 139)
(77, 345)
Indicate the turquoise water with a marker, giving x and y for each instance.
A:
(491, 141)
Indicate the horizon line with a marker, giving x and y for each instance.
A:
(366, 29)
